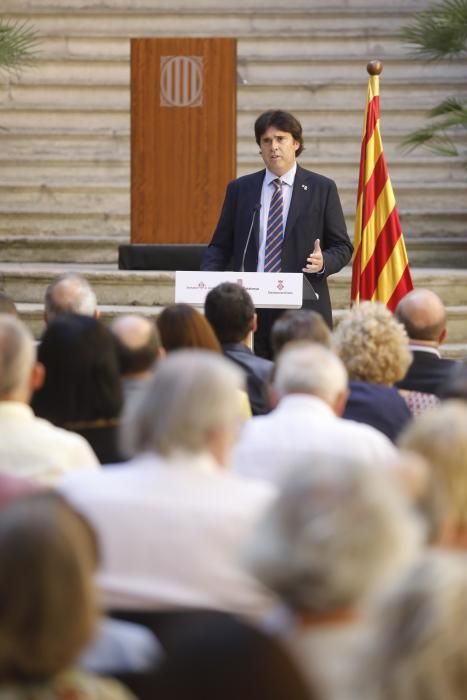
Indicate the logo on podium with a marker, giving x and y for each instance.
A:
(181, 81)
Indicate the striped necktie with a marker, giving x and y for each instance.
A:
(274, 232)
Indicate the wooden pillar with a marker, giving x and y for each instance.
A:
(183, 136)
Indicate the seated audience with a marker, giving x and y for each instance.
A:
(226, 659)
(31, 447)
(230, 311)
(7, 305)
(69, 294)
(419, 647)
(181, 326)
(299, 324)
(373, 346)
(139, 349)
(47, 603)
(82, 390)
(338, 532)
(172, 519)
(423, 315)
(311, 384)
(440, 437)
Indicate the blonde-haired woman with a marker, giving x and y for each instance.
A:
(374, 348)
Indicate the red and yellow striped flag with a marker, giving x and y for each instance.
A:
(380, 268)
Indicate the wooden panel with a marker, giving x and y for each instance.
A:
(181, 156)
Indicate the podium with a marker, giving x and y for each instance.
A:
(183, 137)
(279, 290)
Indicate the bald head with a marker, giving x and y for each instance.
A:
(424, 316)
(139, 344)
(70, 294)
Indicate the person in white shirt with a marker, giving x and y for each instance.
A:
(310, 382)
(172, 520)
(31, 447)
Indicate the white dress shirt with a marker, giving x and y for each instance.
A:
(300, 426)
(171, 531)
(34, 449)
(267, 191)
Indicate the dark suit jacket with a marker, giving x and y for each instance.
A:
(315, 212)
(377, 405)
(427, 373)
(258, 371)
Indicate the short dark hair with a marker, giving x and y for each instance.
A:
(299, 324)
(230, 310)
(281, 120)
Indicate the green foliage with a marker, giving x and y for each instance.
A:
(18, 45)
(434, 34)
(439, 32)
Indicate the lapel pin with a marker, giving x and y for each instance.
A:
(305, 187)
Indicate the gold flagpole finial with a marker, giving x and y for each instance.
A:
(374, 67)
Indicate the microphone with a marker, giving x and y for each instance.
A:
(255, 210)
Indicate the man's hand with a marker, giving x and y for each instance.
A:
(315, 261)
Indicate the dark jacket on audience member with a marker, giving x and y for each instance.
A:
(427, 373)
(257, 370)
(377, 405)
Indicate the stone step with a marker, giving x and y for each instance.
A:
(380, 43)
(17, 221)
(115, 199)
(103, 172)
(430, 251)
(201, 6)
(53, 146)
(91, 72)
(416, 222)
(205, 19)
(310, 93)
(85, 249)
(333, 122)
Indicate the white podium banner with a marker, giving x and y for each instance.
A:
(279, 290)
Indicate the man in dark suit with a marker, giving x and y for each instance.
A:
(230, 311)
(423, 314)
(299, 205)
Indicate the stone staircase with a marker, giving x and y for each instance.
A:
(64, 134)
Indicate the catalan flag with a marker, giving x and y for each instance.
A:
(380, 268)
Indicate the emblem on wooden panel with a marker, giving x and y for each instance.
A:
(181, 81)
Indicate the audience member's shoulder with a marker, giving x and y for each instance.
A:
(69, 441)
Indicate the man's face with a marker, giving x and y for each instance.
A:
(278, 150)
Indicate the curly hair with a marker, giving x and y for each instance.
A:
(372, 344)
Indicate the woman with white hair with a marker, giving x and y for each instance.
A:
(337, 531)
